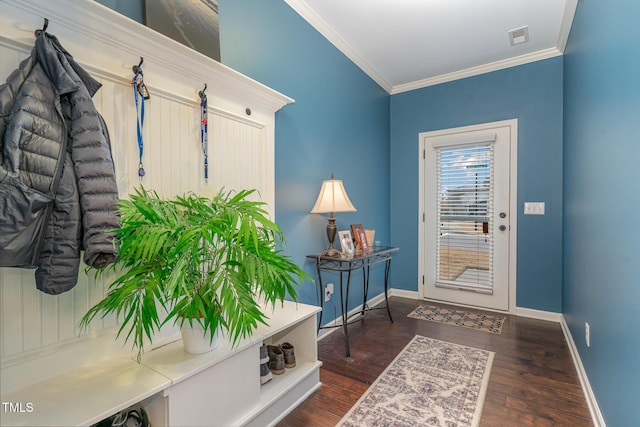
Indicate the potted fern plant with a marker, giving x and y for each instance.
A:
(211, 262)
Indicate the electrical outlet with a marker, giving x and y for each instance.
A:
(587, 334)
(328, 290)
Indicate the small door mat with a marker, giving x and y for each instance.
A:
(466, 319)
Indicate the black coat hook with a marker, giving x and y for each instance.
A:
(137, 68)
(201, 93)
(44, 27)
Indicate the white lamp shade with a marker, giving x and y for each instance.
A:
(333, 198)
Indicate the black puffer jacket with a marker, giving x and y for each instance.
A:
(58, 191)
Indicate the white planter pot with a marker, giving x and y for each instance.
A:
(196, 341)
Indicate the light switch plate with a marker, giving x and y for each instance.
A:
(534, 208)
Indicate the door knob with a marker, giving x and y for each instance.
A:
(502, 227)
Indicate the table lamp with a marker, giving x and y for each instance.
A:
(332, 198)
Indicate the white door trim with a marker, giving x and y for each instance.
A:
(513, 201)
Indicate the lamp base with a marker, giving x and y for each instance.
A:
(331, 252)
(332, 229)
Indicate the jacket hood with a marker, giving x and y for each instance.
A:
(63, 71)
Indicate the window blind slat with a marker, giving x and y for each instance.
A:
(464, 246)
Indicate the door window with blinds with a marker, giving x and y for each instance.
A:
(468, 187)
(464, 242)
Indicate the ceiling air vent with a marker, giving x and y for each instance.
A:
(519, 35)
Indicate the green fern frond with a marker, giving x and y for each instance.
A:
(200, 259)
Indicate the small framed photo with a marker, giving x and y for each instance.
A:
(364, 245)
(346, 242)
(355, 231)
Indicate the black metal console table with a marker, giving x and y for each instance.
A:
(343, 264)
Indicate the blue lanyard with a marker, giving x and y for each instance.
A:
(139, 89)
(204, 139)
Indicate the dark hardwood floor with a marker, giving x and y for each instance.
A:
(533, 380)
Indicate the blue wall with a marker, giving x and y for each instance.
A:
(128, 8)
(339, 123)
(531, 93)
(602, 201)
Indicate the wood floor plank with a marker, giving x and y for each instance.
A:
(556, 415)
(533, 380)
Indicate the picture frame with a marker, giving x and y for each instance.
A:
(355, 231)
(193, 24)
(364, 245)
(346, 242)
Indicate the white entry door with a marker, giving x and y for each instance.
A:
(468, 215)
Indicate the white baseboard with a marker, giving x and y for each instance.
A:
(594, 410)
(538, 314)
(393, 292)
(592, 403)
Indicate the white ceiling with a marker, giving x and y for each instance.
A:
(409, 44)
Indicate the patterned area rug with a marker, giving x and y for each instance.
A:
(430, 383)
(466, 319)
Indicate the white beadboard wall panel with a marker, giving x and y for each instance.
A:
(66, 319)
(12, 310)
(32, 315)
(49, 313)
(10, 56)
(121, 124)
(79, 302)
(173, 162)
(166, 161)
(249, 148)
(40, 337)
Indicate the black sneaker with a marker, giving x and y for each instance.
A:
(276, 360)
(289, 355)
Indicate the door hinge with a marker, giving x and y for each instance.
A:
(423, 217)
(424, 154)
(423, 279)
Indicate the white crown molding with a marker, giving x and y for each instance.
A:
(309, 15)
(567, 20)
(76, 19)
(481, 69)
